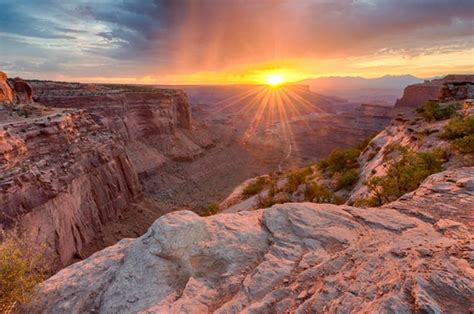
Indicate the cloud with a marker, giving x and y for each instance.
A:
(221, 33)
(167, 36)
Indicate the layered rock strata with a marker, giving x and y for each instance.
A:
(63, 177)
(451, 87)
(154, 123)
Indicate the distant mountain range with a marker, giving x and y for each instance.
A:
(382, 90)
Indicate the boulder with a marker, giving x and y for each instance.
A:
(294, 257)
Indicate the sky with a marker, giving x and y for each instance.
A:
(233, 41)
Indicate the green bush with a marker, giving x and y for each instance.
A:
(432, 110)
(255, 187)
(460, 132)
(297, 178)
(347, 180)
(211, 209)
(319, 194)
(458, 127)
(265, 202)
(404, 175)
(464, 144)
(21, 269)
(340, 160)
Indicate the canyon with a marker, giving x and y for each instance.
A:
(86, 165)
(414, 254)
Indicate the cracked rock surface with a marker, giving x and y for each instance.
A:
(412, 255)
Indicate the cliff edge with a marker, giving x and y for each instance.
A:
(296, 257)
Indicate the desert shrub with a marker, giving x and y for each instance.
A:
(403, 175)
(319, 194)
(211, 209)
(297, 178)
(269, 200)
(22, 267)
(340, 160)
(394, 147)
(460, 132)
(265, 202)
(432, 110)
(255, 187)
(367, 201)
(458, 127)
(347, 179)
(464, 144)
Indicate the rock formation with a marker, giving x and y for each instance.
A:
(63, 177)
(151, 121)
(23, 91)
(6, 93)
(409, 256)
(452, 86)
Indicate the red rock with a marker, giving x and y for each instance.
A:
(23, 91)
(6, 93)
(451, 87)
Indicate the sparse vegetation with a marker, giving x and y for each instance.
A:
(22, 267)
(255, 187)
(211, 209)
(458, 127)
(460, 132)
(319, 194)
(464, 144)
(340, 160)
(347, 179)
(342, 165)
(297, 178)
(432, 110)
(404, 175)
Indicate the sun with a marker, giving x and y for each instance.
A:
(274, 80)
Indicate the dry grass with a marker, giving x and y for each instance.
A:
(22, 267)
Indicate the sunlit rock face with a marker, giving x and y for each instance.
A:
(156, 120)
(6, 93)
(412, 255)
(451, 87)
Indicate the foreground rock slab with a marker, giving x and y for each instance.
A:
(295, 257)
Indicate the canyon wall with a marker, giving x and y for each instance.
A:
(155, 124)
(71, 161)
(451, 87)
(63, 177)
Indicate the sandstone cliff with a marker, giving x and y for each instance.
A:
(409, 256)
(6, 92)
(453, 86)
(154, 123)
(63, 177)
